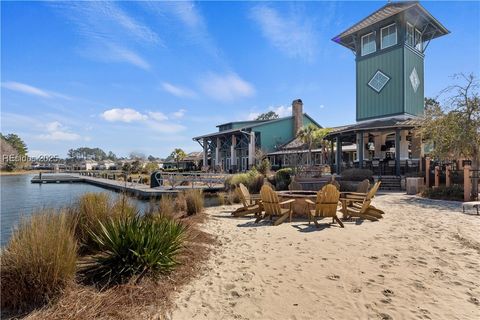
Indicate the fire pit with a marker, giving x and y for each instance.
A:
(299, 206)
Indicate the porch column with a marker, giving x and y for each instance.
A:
(397, 152)
(205, 152)
(338, 158)
(233, 156)
(377, 141)
(217, 153)
(332, 155)
(403, 145)
(360, 148)
(251, 150)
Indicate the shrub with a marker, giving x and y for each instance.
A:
(252, 179)
(233, 197)
(283, 178)
(194, 201)
(454, 192)
(133, 246)
(264, 166)
(222, 199)
(356, 174)
(38, 262)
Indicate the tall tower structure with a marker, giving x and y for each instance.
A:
(389, 46)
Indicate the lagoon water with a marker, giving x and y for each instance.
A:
(20, 197)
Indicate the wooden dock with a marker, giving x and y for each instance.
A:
(142, 191)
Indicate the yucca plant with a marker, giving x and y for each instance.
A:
(132, 246)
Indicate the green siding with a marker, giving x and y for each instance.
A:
(414, 100)
(389, 101)
(276, 133)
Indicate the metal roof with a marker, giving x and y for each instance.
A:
(376, 125)
(250, 126)
(346, 38)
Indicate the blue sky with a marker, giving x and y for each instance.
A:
(149, 76)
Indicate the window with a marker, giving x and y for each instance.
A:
(378, 81)
(368, 43)
(418, 40)
(388, 36)
(410, 39)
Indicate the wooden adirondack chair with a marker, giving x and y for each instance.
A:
(326, 205)
(363, 186)
(249, 206)
(364, 209)
(272, 206)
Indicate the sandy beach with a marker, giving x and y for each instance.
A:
(421, 261)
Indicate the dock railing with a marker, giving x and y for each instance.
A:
(174, 179)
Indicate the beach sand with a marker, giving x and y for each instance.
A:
(422, 261)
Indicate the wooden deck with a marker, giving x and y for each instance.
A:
(142, 191)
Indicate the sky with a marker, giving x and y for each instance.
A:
(148, 76)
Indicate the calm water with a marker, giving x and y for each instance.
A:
(20, 197)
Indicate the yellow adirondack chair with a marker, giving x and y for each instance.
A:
(364, 209)
(249, 206)
(272, 206)
(326, 205)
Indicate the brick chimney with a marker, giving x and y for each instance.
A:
(297, 113)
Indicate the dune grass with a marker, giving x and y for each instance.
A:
(39, 261)
(194, 201)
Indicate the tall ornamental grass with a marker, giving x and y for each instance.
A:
(194, 201)
(134, 246)
(38, 262)
(93, 209)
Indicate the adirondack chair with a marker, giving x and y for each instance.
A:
(326, 205)
(272, 206)
(364, 209)
(249, 206)
(363, 186)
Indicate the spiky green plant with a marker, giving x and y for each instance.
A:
(132, 246)
(194, 201)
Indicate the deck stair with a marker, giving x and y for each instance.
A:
(391, 183)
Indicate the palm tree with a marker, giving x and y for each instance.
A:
(178, 155)
(307, 135)
(320, 135)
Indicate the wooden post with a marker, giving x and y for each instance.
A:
(427, 172)
(338, 159)
(448, 181)
(437, 176)
(467, 183)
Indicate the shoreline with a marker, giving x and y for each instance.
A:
(22, 172)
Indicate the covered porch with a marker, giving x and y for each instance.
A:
(387, 147)
(229, 150)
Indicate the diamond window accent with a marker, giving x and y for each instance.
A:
(414, 80)
(378, 81)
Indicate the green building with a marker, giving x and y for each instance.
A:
(389, 47)
(236, 144)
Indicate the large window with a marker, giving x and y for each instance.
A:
(388, 36)
(418, 40)
(410, 39)
(368, 43)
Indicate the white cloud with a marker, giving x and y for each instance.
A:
(108, 31)
(226, 87)
(25, 88)
(293, 34)
(282, 111)
(123, 115)
(154, 120)
(179, 114)
(31, 90)
(57, 132)
(158, 116)
(178, 91)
